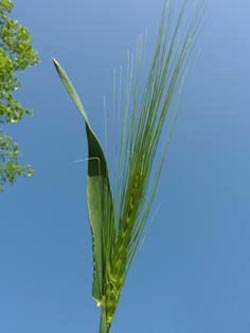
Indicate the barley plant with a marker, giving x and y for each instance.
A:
(119, 205)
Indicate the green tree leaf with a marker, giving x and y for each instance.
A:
(16, 54)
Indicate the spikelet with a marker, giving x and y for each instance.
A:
(117, 269)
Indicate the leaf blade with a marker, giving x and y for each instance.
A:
(99, 195)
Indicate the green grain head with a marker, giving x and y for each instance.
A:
(119, 209)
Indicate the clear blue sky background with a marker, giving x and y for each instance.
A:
(193, 272)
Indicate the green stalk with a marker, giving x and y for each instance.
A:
(103, 322)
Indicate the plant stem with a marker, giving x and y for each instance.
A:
(104, 328)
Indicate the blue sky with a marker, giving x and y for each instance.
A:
(192, 274)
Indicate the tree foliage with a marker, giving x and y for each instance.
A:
(16, 54)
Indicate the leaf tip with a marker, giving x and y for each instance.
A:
(56, 63)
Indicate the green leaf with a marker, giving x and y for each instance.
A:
(16, 54)
(100, 204)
